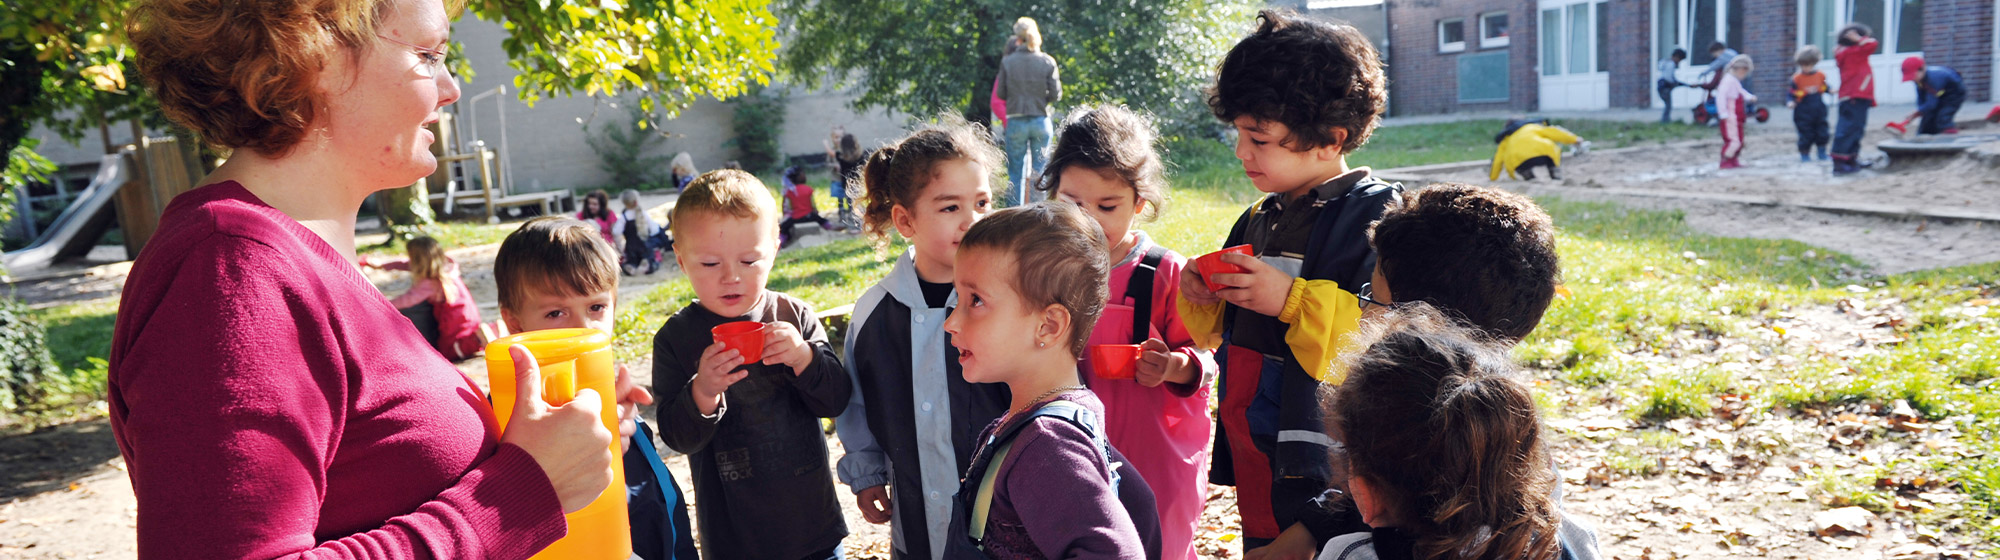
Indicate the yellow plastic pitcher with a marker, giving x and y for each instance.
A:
(572, 359)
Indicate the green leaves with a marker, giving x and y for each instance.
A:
(923, 57)
(665, 52)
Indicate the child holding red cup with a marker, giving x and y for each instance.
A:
(1142, 363)
(748, 420)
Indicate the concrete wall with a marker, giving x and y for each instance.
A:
(547, 141)
(1425, 81)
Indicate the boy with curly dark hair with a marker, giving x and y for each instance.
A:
(1301, 94)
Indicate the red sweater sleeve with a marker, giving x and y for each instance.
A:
(230, 415)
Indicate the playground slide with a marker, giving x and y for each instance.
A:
(79, 227)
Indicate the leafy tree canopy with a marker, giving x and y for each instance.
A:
(65, 62)
(923, 57)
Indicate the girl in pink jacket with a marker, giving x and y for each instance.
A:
(1156, 410)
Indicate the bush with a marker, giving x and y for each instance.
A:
(26, 367)
(759, 119)
(621, 147)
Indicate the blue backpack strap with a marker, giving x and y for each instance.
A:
(665, 483)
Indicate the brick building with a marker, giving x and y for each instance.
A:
(1530, 55)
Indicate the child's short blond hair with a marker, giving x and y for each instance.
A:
(553, 254)
(1742, 61)
(726, 192)
(1807, 57)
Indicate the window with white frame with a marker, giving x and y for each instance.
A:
(1451, 35)
(1575, 38)
(1898, 24)
(1493, 30)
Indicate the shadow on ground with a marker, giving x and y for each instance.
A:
(51, 458)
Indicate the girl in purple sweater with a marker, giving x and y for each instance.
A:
(1022, 319)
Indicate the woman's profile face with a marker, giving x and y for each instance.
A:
(379, 103)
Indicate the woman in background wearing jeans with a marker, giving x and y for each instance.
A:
(1029, 82)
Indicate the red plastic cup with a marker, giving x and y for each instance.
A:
(745, 337)
(1212, 264)
(1115, 361)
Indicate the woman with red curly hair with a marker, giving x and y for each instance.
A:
(268, 401)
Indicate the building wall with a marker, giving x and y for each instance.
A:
(1424, 81)
(1959, 34)
(1631, 53)
(1771, 39)
(546, 141)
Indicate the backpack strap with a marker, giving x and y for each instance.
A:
(1003, 441)
(1140, 289)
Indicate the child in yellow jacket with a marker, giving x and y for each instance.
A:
(1281, 320)
(1527, 144)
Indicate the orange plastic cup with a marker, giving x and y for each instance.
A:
(745, 337)
(1212, 264)
(571, 360)
(1115, 361)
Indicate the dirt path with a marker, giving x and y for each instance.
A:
(1773, 172)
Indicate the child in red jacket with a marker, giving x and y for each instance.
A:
(1857, 94)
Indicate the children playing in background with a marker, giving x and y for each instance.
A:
(438, 299)
(847, 157)
(1043, 483)
(1442, 450)
(1808, 103)
(681, 171)
(798, 207)
(913, 417)
(1527, 144)
(1857, 94)
(1732, 107)
(762, 486)
(552, 273)
(1940, 91)
(1719, 55)
(638, 235)
(1104, 162)
(1668, 81)
(1302, 94)
(597, 212)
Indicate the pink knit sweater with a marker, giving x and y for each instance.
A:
(270, 403)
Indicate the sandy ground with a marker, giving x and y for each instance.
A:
(1773, 171)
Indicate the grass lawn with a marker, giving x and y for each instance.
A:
(451, 235)
(1659, 322)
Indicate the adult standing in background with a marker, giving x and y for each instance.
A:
(999, 105)
(1029, 82)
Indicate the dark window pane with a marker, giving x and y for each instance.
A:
(1704, 32)
(1579, 39)
(1870, 13)
(1667, 27)
(1820, 26)
(1910, 28)
(1603, 37)
(1452, 31)
(1496, 26)
(1734, 33)
(1552, 61)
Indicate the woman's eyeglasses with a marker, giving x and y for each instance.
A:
(433, 59)
(1367, 296)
